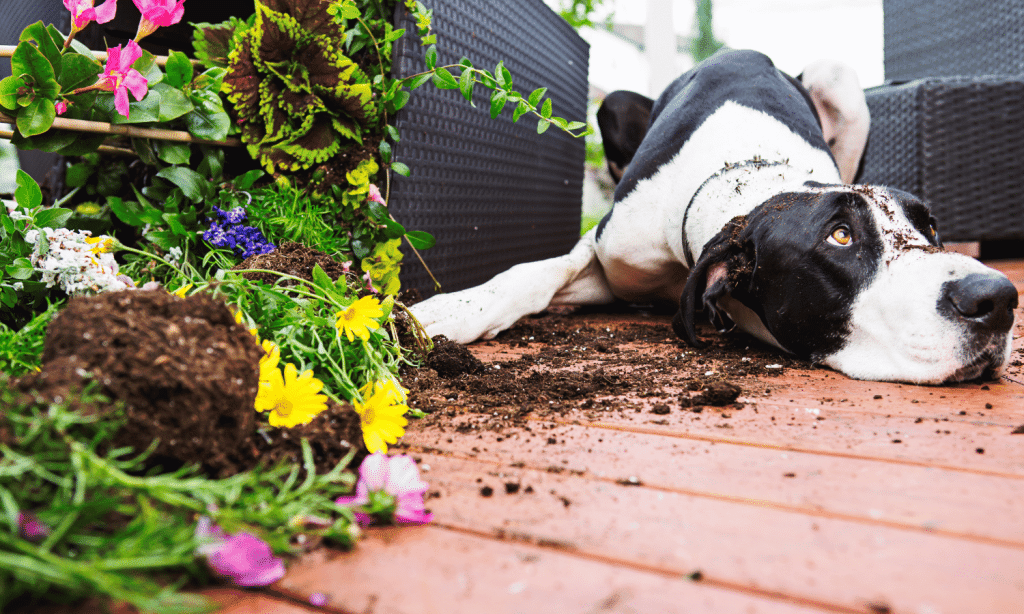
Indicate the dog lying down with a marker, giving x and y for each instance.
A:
(734, 197)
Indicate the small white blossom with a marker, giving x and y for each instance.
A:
(65, 257)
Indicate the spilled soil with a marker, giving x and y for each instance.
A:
(555, 364)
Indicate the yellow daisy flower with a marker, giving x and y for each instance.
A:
(268, 363)
(180, 292)
(358, 319)
(239, 320)
(382, 416)
(102, 244)
(292, 399)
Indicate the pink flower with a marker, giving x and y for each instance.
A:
(243, 557)
(157, 14)
(375, 195)
(369, 282)
(61, 107)
(389, 488)
(83, 12)
(31, 528)
(119, 76)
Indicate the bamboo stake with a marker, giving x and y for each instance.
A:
(108, 149)
(81, 125)
(7, 51)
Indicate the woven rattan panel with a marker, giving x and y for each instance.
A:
(945, 38)
(957, 143)
(492, 192)
(893, 152)
(972, 157)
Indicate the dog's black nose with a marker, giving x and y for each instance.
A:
(985, 299)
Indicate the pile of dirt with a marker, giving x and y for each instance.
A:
(188, 375)
(292, 259)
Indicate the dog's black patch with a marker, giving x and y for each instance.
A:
(782, 267)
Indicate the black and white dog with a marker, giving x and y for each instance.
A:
(732, 197)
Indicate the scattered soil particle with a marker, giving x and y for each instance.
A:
(486, 491)
(512, 487)
(1018, 431)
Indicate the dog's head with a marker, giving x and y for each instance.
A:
(855, 278)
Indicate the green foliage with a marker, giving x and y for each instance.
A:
(58, 464)
(299, 100)
(706, 44)
(579, 12)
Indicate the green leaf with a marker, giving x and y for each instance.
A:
(322, 279)
(377, 211)
(499, 75)
(173, 102)
(392, 229)
(576, 125)
(28, 60)
(536, 96)
(401, 169)
(506, 76)
(191, 183)
(146, 110)
(399, 101)
(77, 71)
(560, 122)
(465, 63)
(542, 126)
(37, 117)
(53, 218)
(545, 111)
(172, 152)
(420, 239)
(520, 109)
(127, 212)
(466, 82)
(164, 239)
(244, 182)
(418, 80)
(444, 80)
(208, 119)
(212, 164)
(8, 296)
(498, 100)
(385, 151)
(37, 32)
(21, 268)
(28, 195)
(178, 70)
(78, 174)
(393, 133)
(9, 87)
(174, 223)
(431, 57)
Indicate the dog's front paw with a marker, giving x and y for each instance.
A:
(456, 316)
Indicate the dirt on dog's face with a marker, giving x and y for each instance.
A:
(855, 278)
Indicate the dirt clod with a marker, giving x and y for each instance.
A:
(451, 360)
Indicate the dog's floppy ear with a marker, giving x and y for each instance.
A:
(725, 264)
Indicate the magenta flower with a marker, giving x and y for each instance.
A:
(61, 106)
(389, 489)
(157, 14)
(119, 76)
(243, 557)
(31, 528)
(83, 12)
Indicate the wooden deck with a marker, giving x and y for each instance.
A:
(827, 495)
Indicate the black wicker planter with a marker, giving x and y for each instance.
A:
(492, 192)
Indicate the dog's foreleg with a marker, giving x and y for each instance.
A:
(487, 309)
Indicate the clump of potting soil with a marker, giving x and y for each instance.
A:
(451, 359)
(292, 259)
(186, 372)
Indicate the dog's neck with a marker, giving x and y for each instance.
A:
(736, 189)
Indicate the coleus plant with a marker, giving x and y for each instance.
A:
(299, 99)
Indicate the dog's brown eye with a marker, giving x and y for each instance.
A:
(841, 236)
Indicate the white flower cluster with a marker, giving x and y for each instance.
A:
(80, 265)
